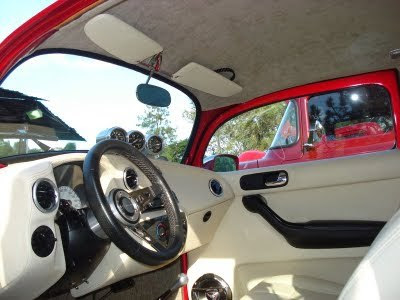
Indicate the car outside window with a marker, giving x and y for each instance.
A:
(62, 102)
(352, 112)
(259, 133)
(351, 121)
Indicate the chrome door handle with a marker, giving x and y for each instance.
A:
(279, 181)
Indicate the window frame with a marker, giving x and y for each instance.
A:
(118, 62)
(213, 119)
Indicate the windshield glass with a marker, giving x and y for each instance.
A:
(287, 130)
(61, 102)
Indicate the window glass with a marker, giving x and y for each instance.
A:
(253, 134)
(287, 133)
(61, 102)
(352, 113)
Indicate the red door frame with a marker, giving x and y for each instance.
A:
(210, 121)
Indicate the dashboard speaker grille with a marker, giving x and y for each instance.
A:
(45, 195)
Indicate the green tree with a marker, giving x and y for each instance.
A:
(6, 149)
(155, 121)
(174, 152)
(70, 146)
(253, 130)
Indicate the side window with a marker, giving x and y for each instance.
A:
(257, 135)
(350, 121)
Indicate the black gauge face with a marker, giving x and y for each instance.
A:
(118, 134)
(155, 144)
(136, 139)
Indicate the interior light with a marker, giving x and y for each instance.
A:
(35, 114)
(354, 97)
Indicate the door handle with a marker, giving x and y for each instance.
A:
(278, 181)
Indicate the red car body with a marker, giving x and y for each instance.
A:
(352, 139)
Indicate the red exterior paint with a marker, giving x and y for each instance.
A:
(2, 166)
(38, 28)
(356, 139)
(387, 78)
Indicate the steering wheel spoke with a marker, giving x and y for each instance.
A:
(145, 196)
(142, 233)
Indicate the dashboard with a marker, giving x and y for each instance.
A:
(70, 242)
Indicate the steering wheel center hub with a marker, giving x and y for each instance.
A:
(124, 207)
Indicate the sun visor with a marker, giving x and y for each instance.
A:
(120, 39)
(206, 80)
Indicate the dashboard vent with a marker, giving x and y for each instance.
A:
(45, 195)
(130, 178)
(215, 187)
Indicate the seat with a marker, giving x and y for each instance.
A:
(287, 287)
(375, 278)
(378, 274)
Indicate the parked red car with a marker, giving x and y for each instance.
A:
(302, 143)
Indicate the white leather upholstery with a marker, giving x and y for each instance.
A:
(375, 278)
(294, 287)
(378, 274)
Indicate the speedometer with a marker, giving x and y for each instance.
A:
(67, 193)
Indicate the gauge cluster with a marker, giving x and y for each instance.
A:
(151, 144)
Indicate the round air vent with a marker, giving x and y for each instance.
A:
(216, 187)
(130, 178)
(45, 195)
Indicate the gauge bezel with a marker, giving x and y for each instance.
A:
(148, 140)
(136, 131)
(106, 134)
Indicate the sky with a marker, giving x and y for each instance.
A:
(87, 94)
(13, 13)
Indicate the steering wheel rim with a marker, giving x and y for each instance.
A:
(112, 226)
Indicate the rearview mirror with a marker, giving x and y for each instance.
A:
(153, 95)
(221, 163)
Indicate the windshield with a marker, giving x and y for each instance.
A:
(62, 102)
(287, 130)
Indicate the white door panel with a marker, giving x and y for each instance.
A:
(362, 187)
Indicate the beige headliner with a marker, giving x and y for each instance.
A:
(272, 45)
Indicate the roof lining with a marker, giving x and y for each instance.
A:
(271, 45)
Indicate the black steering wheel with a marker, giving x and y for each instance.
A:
(119, 213)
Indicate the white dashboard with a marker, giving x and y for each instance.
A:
(24, 274)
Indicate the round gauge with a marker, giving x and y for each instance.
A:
(155, 144)
(136, 139)
(67, 193)
(118, 134)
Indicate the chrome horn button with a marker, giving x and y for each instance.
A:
(124, 207)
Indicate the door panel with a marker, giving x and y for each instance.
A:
(354, 188)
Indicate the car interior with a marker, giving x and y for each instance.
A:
(309, 212)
